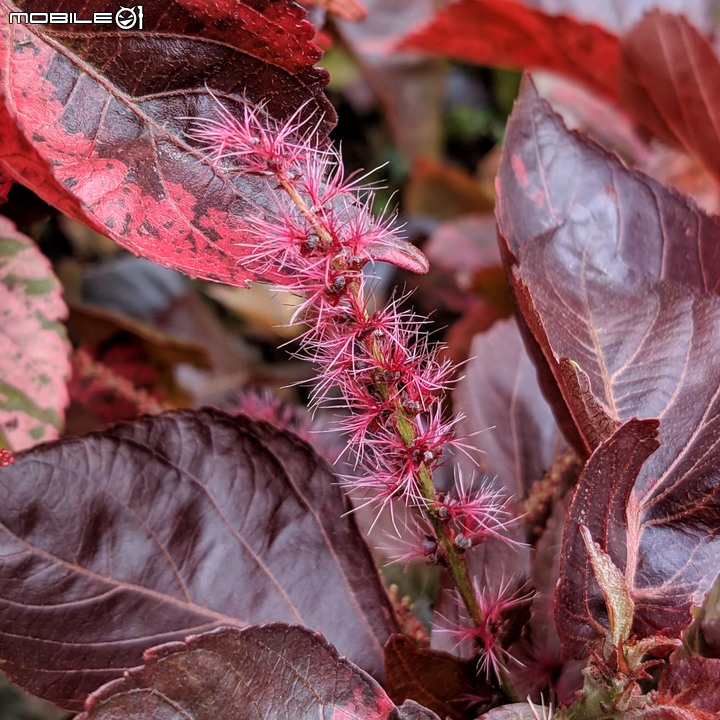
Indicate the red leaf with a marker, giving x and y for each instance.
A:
(272, 671)
(508, 33)
(670, 81)
(616, 279)
(34, 363)
(176, 523)
(693, 681)
(577, 38)
(95, 122)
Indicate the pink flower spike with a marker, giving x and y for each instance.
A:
(477, 513)
(486, 638)
(255, 142)
(416, 538)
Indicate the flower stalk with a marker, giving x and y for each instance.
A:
(378, 365)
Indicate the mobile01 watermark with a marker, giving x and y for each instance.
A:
(126, 18)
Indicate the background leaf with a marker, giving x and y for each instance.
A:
(177, 523)
(34, 363)
(513, 34)
(670, 81)
(578, 39)
(93, 121)
(499, 394)
(273, 671)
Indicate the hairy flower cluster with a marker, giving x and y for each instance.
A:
(377, 365)
(316, 241)
(485, 636)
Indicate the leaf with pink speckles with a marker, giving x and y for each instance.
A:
(276, 671)
(34, 363)
(95, 121)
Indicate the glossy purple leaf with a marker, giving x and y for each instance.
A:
(274, 672)
(174, 524)
(616, 280)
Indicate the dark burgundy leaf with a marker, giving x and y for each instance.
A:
(670, 81)
(599, 503)
(176, 523)
(93, 121)
(276, 671)
(606, 328)
(548, 175)
(437, 680)
(693, 681)
(615, 277)
(500, 396)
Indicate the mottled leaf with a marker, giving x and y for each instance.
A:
(34, 363)
(670, 82)
(177, 523)
(95, 122)
(276, 671)
(438, 681)
(616, 280)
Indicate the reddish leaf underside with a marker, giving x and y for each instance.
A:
(693, 682)
(93, 120)
(34, 360)
(175, 524)
(616, 280)
(273, 671)
(670, 82)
